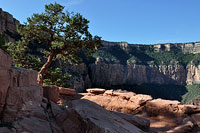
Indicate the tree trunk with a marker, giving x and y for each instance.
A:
(44, 69)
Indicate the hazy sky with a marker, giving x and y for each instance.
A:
(133, 21)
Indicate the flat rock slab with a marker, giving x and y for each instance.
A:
(96, 90)
(161, 106)
(67, 91)
(102, 119)
(140, 99)
(32, 125)
(140, 122)
(120, 93)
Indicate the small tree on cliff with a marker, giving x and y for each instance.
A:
(65, 34)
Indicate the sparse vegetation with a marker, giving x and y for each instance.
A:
(193, 91)
(56, 35)
(147, 56)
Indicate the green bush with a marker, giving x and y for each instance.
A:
(57, 77)
(193, 91)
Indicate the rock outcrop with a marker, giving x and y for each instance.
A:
(193, 47)
(5, 76)
(165, 115)
(8, 25)
(24, 109)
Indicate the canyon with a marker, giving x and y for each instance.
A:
(28, 107)
(108, 72)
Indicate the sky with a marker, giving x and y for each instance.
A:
(132, 21)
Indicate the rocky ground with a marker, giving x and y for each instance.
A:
(164, 115)
(26, 107)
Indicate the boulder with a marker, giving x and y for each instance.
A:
(96, 90)
(120, 93)
(32, 125)
(55, 109)
(162, 107)
(23, 77)
(101, 120)
(67, 91)
(51, 93)
(188, 109)
(186, 127)
(22, 101)
(139, 122)
(113, 103)
(195, 102)
(140, 99)
(196, 119)
(71, 121)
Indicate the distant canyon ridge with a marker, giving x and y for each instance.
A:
(123, 64)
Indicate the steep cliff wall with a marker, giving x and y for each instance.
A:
(123, 64)
(8, 25)
(107, 75)
(192, 47)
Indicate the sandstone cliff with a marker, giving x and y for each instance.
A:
(193, 47)
(107, 75)
(8, 25)
(111, 66)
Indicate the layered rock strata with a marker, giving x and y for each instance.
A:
(8, 25)
(105, 75)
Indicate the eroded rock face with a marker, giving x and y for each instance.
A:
(51, 93)
(8, 24)
(102, 74)
(21, 101)
(108, 75)
(5, 76)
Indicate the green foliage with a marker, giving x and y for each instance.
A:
(65, 33)
(193, 91)
(57, 77)
(49, 36)
(22, 57)
(3, 42)
(146, 55)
